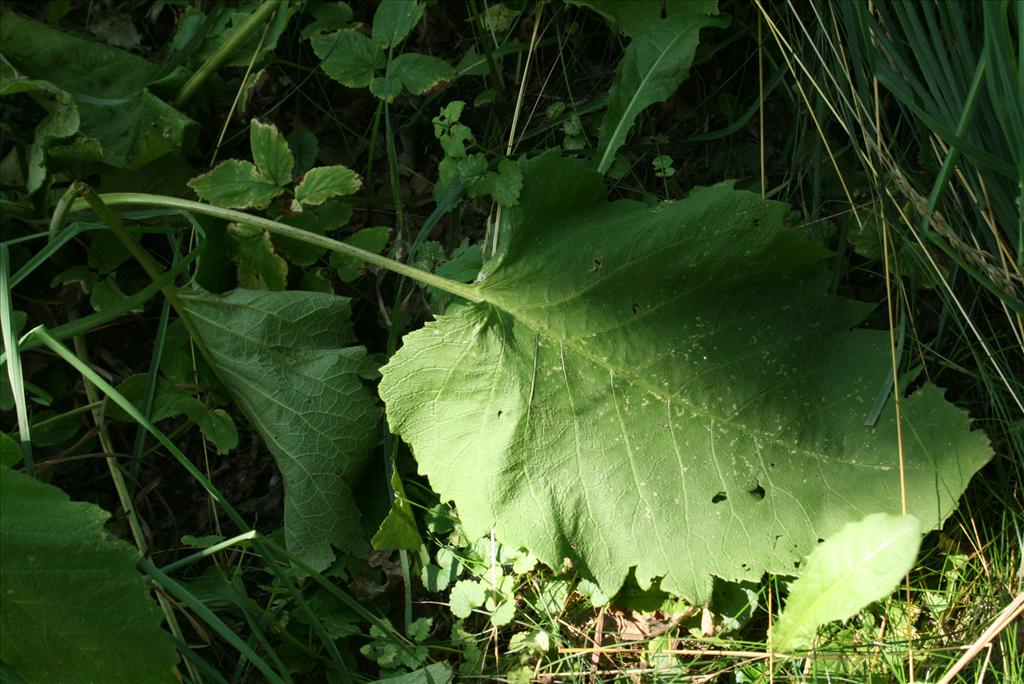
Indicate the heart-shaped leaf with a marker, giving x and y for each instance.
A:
(670, 388)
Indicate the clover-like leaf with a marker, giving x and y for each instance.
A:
(373, 239)
(235, 184)
(669, 388)
(271, 153)
(503, 185)
(394, 19)
(324, 182)
(419, 73)
(259, 266)
(349, 57)
(466, 595)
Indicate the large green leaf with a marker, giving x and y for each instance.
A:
(285, 358)
(861, 563)
(657, 60)
(669, 388)
(122, 123)
(72, 607)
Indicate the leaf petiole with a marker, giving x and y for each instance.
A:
(462, 290)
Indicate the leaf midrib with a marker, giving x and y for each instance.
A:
(668, 398)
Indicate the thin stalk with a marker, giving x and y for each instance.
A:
(225, 51)
(209, 551)
(210, 618)
(370, 153)
(60, 212)
(148, 263)
(492, 67)
(80, 326)
(121, 487)
(467, 292)
(107, 444)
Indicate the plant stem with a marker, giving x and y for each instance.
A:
(225, 51)
(149, 265)
(462, 290)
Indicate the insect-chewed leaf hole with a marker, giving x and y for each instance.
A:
(757, 492)
(719, 497)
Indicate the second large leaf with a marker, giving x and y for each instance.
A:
(668, 388)
(290, 363)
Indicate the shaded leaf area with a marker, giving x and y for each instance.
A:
(102, 95)
(861, 563)
(356, 60)
(669, 388)
(287, 360)
(655, 63)
(170, 401)
(72, 606)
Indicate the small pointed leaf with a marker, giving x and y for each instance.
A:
(371, 239)
(394, 19)
(419, 73)
(861, 563)
(271, 153)
(259, 266)
(349, 57)
(657, 60)
(324, 182)
(235, 184)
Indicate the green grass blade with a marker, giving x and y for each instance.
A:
(14, 360)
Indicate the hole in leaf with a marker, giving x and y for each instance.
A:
(719, 497)
(820, 540)
(499, 413)
(757, 492)
(757, 222)
(796, 564)
(597, 266)
(636, 308)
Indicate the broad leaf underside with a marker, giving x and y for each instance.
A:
(669, 388)
(282, 357)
